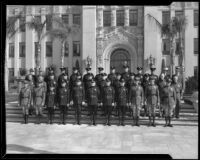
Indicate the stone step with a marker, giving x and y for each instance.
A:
(103, 121)
(187, 111)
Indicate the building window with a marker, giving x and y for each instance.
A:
(133, 17)
(76, 48)
(165, 17)
(65, 18)
(66, 49)
(120, 18)
(178, 47)
(196, 46)
(48, 49)
(77, 19)
(196, 17)
(166, 47)
(22, 49)
(106, 18)
(11, 50)
(11, 75)
(48, 22)
(195, 71)
(12, 24)
(178, 14)
(37, 18)
(22, 24)
(36, 48)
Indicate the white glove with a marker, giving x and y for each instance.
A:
(101, 104)
(71, 103)
(83, 103)
(126, 104)
(129, 104)
(113, 104)
(67, 104)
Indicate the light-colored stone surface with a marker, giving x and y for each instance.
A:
(179, 141)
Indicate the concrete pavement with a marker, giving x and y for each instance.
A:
(181, 142)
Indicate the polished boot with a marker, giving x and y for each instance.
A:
(170, 125)
(166, 124)
(153, 122)
(137, 121)
(149, 121)
(38, 119)
(26, 119)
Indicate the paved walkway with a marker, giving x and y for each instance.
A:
(180, 141)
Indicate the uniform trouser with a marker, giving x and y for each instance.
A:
(177, 108)
(93, 112)
(108, 109)
(25, 110)
(168, 110)
(63, 111)
(50, 113)
(121, 113)
(135, 110)
(151, 110)
(78, 112)
(38, 109)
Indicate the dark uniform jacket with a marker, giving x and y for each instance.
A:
(122, 96)
(34, 78)
(156, 78)
(47, 78)
(141, 77)
(108, 95)
(92, 95)
(102, 85)
(86, 80)
(126, 77)
(51, 98)
(178, 89)
(25, 96)
(112, 77)
(60, 79)
(78, 94)
(152, 94)
(98, 78)
(63, 97)
(169, 96)
(72, 80)
(136, 95)
(161, 85)
(51, 82)
(39, 95)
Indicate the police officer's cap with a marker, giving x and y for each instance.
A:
(139, 68)
(75, 68)
(122, 80)
(88, 68)
(125, 66)
(100, 68)
(62, 68)
(31, 70)
(146, 75)
(137, 78)
(50, 68)
(132, 74)
(153, 67)
(112, 67)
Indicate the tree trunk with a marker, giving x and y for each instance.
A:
(62, 54)
(173, 49)
(6, 66)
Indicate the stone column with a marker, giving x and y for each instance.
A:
(100, 19)
(89, 35)
(140, 52)
(113, 17)
(43, 43)
(30, 54)
(126, 16)
(70, 43)
(16, 56)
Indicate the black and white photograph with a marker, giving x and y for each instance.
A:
(102, 79)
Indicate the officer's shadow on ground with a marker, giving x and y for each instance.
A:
(26, 150)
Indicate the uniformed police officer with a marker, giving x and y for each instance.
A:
(152, 99)
(39, 96)
(131, 81)
(112, 76)
(32, 75)
(63, 100)
(61, 76)
(98, 78)
(169, 101)
(51, 101)
(108, 99)
(126, 75)
(40, 78)
(102, 84)
(78, 98)
(165, 72)
(180, 79)
(73, 78)
(153, 68)
(50, 72)
(136, 100)
(178, 88)
(161, 84)
(122, 101)
(92, 94)
(87, 77)
(116, 85)
(145, 84)
(140, 75)
(25, 100)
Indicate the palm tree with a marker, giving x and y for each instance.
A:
(10, 32)
(170, 30)
(61, 32)
(37, 25)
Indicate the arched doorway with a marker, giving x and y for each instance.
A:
(118, 57)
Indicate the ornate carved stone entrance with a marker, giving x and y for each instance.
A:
(118, 57)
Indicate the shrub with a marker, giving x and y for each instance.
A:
(191, 85)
